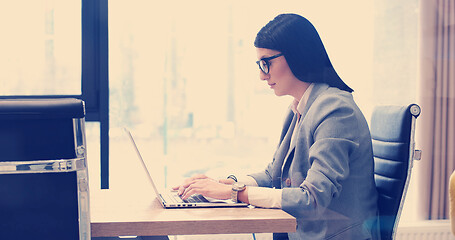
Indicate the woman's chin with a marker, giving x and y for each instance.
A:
(278, 93)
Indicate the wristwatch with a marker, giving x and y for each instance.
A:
(236, 188)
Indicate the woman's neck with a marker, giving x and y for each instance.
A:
(300, 90)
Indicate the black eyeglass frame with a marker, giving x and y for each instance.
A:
(267, 62)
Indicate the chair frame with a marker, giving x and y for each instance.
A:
(413, 155)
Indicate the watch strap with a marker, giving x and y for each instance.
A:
(235, 191)
(234, 196)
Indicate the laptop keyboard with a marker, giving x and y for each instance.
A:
(196, 198)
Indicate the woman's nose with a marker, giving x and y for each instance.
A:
(263, 76)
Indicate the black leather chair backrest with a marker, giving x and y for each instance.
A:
(38, 204)
(392, 130)
(39, 129)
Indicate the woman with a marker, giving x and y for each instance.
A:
(322, 170)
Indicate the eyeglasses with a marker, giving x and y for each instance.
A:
(264, 63)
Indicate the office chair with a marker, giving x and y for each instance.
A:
(43, 172)
(392, 131)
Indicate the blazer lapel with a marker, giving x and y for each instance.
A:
(282, 151)
(317, 89)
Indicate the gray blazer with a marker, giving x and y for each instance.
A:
(327, 175)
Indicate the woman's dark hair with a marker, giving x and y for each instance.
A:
(298, 40)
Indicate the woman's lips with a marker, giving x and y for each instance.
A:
(272, 85)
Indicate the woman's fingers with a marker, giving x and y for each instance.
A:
(208, 188)
(188, 182)
(187, 192)
(204, 185)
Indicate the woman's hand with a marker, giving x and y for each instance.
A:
(201, 184)
(188, 181)
(208, 188)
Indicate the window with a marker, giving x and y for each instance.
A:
(41, 48)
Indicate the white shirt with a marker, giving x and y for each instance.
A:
(271, 197)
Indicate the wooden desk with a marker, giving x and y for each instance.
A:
(115, 213)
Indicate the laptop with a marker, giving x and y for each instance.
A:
(171, 199)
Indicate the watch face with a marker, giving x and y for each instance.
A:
(238, 186)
